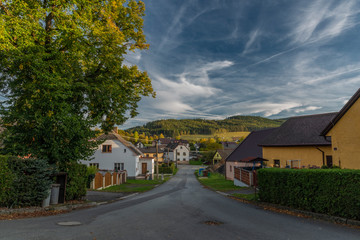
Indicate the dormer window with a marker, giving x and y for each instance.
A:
(106, 149)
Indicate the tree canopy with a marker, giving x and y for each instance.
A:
(62, 72)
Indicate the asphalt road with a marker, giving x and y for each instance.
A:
(177, 209)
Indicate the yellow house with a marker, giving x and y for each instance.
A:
(151, 152)
(344, 131)
(221, 154)
(297, 143)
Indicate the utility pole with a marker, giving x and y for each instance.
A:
(176, 157)
(157, 160)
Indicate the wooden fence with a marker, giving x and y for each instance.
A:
(105, 179)
(244, 177)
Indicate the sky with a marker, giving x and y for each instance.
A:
(212, 59)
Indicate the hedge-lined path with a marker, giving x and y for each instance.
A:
(181, 208)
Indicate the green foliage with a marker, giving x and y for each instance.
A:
(167, 170)
(76, 181)
(6, 180)
(31, 180)
(329, 191)
(62, 73)
(172, 127)
(90, 173)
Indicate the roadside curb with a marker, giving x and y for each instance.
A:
(296, 212)
(291, 211)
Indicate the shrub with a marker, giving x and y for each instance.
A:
(76, 181)
(329, 191)
(90, 173)
(6, 179)
(32, 179)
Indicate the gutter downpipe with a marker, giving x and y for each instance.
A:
(323, 155)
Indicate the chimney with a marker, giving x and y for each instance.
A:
(115, 129)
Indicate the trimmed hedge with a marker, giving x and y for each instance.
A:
(6, 179)
(27, 181)
(76, 181)
(330, 191)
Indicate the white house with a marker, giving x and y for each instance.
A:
(115, 153)
(177, 151)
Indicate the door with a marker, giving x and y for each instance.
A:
(143, 168)
(329, 161)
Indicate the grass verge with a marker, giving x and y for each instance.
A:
(249, 197)
(136, 186)
(218, 182)
(192, 162)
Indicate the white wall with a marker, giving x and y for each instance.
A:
(106, 160)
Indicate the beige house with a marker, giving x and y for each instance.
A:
(297, 143)
(344, 132)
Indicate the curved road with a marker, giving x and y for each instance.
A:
(177, 209)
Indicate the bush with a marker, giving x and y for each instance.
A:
(76, 181)
(31, 181)
(90, 173)
(329, 191)
(6, 179)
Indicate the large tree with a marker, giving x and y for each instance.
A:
(62, 72)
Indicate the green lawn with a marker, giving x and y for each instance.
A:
(192, 162)
(218, 182)
(133, 186)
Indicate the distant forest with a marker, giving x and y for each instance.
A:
(173, 127)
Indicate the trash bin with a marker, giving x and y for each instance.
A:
(201, 171)
(46, 201)
(54, 199)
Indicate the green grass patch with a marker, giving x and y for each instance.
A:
(133, 186)
(250, 197)
(192, 162)
(218, 182)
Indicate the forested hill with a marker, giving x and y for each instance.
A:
(172, 127)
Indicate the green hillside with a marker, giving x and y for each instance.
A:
(173, 127)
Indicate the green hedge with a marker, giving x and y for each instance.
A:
(330, 191)
(76, 181)
(6, 180)
(26, 182)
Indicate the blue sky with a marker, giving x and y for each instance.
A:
(213, 59)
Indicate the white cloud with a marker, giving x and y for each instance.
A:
(309, 108)
(322, 20)
(252, 37)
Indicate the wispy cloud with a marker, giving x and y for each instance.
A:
(306, 109)
(323, 18)
(252, 38)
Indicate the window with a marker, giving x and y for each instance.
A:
(94, 165)
(147, 155)
(276, 163)
(180, 147)
(106, 148)
(178, 153)
(124, 150)
(230, 168)
(184, 153)
(118, 166)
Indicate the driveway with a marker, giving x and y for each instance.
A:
(179, 209)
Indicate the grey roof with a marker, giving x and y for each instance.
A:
(150, 150)
(342, 112)
(300, 131)
(115, 136)
(224, 153)
(229, 145)
(249, 147)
